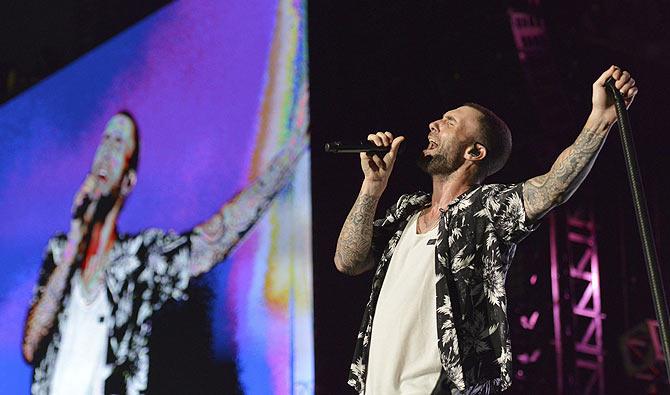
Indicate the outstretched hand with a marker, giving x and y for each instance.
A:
(378, 169)
(602, 102)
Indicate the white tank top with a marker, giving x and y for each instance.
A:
(81, 364)
(404, 356)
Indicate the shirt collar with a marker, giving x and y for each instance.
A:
(423, 198)
(464, 195)
(468, 193)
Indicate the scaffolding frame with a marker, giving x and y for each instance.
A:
(578, 315)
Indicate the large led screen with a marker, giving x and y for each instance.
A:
(217, 89)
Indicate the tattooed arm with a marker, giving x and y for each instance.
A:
(47, 300)
(213, 240)
(352, 255)
(542, 193)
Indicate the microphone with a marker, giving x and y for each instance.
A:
(338, 147)
(81, 209)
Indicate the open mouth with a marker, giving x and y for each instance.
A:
(431, 145)
(102, 175)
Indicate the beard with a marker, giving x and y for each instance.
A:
(105, 204)
(442, 163)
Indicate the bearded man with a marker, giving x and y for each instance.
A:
(88, 327)
(436, 320)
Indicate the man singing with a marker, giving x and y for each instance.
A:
(436, 320)
(88, 326)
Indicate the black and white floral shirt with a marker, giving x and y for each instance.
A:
(145, 270)
(477, 238)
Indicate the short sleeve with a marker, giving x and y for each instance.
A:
(167, 265)
(505, 203)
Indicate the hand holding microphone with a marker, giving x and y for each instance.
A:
(83, 208)
(84, 204)
(378, 155)
(377, 169)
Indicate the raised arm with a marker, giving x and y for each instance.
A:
(352, 255)
(213, 240)
(542, 193)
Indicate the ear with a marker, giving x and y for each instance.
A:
(129, 181)
(476, 152)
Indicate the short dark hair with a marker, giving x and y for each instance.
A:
(496, 137)
(135, 157)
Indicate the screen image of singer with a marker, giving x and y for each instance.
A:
(217, 89)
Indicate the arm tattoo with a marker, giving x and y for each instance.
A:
(544, 192)
(213, 240)
(352, 255)
(42, 314)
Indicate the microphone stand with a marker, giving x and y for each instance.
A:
(643, 223)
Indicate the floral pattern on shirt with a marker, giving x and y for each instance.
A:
(477, 238)
(145, 271)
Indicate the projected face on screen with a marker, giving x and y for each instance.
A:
(112, 158)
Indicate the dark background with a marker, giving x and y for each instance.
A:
(397, 65)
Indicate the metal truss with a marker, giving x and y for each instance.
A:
(581, 329)
(642, 353)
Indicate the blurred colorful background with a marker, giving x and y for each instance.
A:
(217, 88)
